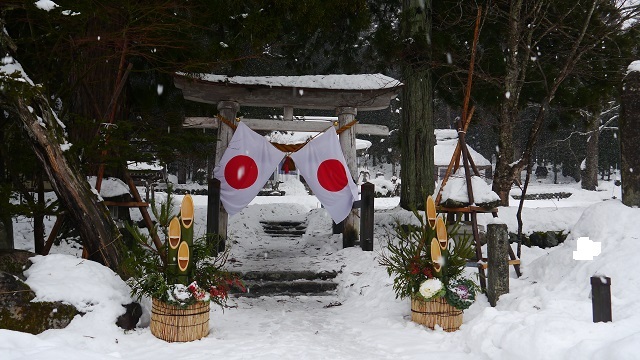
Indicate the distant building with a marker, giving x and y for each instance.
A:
(446, 140)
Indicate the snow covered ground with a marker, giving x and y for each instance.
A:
(547, 314)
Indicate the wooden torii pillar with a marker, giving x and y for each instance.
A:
(346, 114)
(228, 109)
(363, 92)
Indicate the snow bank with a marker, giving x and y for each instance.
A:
(82, 283)
(548, 313)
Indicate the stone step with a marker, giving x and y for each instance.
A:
(284, 228)
(283, 223)
(278, 227)
(288, 288)
(281, 232)
(287, 275)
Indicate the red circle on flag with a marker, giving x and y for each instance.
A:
(241, 172)
(332, 175)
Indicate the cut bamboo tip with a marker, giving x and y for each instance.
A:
(431, 212)
(183, 256)
(174, 233)
(441, 233)
(186, 211)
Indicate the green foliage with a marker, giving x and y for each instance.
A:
(408, 260)
(164, 212)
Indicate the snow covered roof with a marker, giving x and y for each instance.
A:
(332, 82)
(145, 166)
(366, 92)
(445, 134)
(447, 139)
(110, 187)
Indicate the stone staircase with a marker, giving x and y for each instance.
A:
(291, 283)
(279, 266)
(284, 228)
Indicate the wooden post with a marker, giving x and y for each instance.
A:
(52, 235)
(288, 113)
(601, 298)
(367, 193)
(227, 109)
(213, 203)
(348, 144)
(498, 261)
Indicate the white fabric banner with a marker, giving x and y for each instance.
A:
(323, 166)
(244, 168)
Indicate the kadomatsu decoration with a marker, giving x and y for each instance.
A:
(427, 266)
(182, 290)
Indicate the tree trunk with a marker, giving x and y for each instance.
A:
(416, 126)
(97, 230)
(589, 174)
(505, 173)
(630, 138)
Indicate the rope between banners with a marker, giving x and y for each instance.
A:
(291, 148)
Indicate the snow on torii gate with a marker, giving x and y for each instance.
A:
(346, 94)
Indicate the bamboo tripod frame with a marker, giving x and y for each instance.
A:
(469, 166)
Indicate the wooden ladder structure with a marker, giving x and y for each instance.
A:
(469, 166)
(126, 177)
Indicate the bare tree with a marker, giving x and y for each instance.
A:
(530, 26)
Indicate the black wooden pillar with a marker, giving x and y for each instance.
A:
(367, 193)
(601, 298)
(337, 228)
(213, 215)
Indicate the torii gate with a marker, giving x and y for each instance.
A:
(346, 94)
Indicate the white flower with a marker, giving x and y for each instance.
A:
(430, 287)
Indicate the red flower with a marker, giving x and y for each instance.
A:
(414, 269)
(218, 292)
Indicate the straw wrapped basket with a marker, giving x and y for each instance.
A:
(436, 311)
(173, 323)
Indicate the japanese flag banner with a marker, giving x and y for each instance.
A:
(244, 168)
(323, 166)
